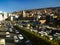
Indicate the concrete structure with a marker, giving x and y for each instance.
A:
(10, 14)
(5, 15)
(13, 17)
(1, 17)
(24, 14)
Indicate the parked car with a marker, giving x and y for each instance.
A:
(17, 32)
(7, 34)
(2, 41)
(16, 39)
(20, 36)
(50, 37)
(10, 30)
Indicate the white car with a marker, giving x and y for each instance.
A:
(11, 30)
(21, 26)
(50, 37)
(7, 34)
(16, 39)
(20, 36)
(43, 33)
(2, 41)
(17, 31)
(12, 26)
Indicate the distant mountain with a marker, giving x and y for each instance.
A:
(49, 9)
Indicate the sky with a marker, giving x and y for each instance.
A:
(17, 5)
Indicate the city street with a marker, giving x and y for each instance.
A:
(11, 35)
(29, 22)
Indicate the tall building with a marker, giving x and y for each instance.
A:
(5, 15)
(1, 17)
(11, 18)
(24, 14)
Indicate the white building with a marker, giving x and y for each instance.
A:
(1, 17)
(5, 15)
(24, 14)
(10, 14)
(14, 17)
(11, 18)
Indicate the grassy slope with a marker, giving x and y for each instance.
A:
(35, 38)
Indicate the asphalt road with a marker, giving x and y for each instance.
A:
(10, 40)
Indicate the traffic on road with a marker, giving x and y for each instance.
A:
(10, 36)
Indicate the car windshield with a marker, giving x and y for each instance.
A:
(20, 35)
